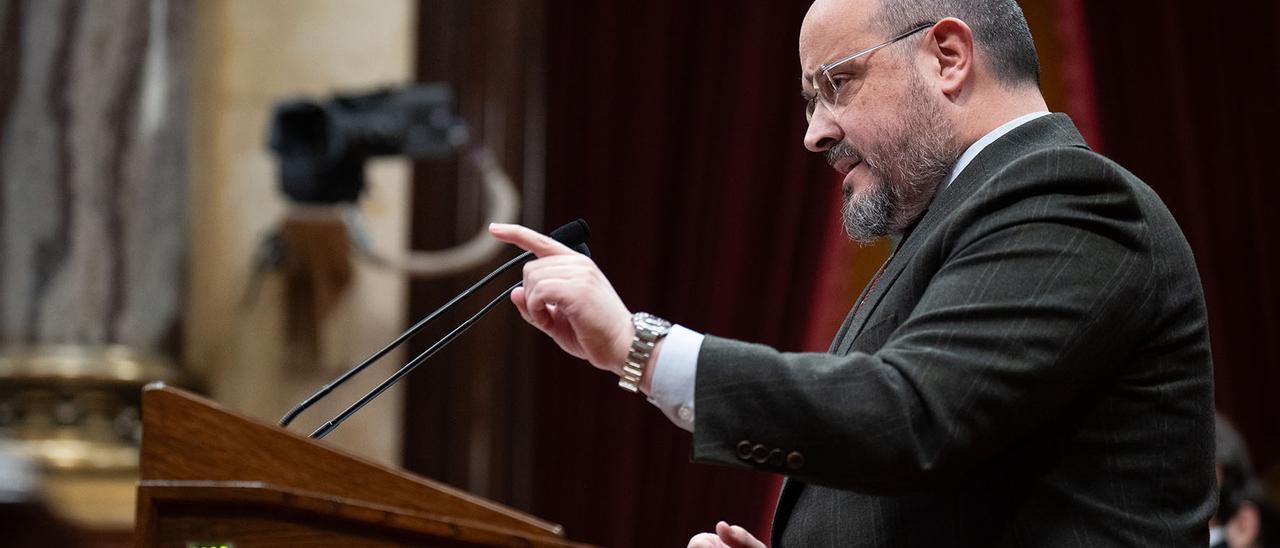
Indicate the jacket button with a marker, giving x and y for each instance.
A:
(744, 450)
(795, 460)
(775, 457)
(759, 453)
(684, 413)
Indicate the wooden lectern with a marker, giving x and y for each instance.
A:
(212, 477)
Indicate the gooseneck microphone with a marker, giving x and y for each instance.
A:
(409, 367)
(574, 235)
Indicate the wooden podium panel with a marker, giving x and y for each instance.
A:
(210, 476)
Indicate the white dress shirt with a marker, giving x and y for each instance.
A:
(675, 370)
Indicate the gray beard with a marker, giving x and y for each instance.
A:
(907, 169)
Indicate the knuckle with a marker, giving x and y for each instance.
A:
(551, 288)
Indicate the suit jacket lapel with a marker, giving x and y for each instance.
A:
(1043, 132)
(786, 502)
(844, 327)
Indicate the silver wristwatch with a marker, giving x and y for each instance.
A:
(649, 330)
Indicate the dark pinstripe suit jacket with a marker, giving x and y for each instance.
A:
(1032, 369)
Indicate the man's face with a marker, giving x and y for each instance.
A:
(890, 138)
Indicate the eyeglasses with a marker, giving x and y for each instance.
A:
(827, 88)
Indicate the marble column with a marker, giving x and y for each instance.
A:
(93, 171)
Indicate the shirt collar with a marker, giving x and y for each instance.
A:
(987, 139)
(1217, 535)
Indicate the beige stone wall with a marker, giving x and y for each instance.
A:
(250, 53)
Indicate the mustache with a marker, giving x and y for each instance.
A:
(841, 151)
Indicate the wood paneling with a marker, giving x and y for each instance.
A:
(468, 413)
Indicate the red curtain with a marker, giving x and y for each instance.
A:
(1187, 97)
(675, 129)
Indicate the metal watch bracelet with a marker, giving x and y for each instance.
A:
(649, 330)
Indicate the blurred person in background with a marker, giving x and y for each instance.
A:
(1245, 518)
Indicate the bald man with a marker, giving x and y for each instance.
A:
(1030, 367)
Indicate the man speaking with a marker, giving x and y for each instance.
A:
(1031, 365)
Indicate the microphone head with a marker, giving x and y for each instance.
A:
(574, 235)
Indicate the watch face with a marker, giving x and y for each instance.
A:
(650, 322)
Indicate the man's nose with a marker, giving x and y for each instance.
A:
(823, 133)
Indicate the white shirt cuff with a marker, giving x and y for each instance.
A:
(674, 374)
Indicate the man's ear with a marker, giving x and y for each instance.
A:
(1244, 526)
(952, 63)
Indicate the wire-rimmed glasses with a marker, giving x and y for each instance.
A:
(827, 88)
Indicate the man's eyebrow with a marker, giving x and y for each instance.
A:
(806, 91)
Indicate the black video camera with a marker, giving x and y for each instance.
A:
(322, 146)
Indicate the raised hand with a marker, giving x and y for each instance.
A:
(567, 297)
(726, 536)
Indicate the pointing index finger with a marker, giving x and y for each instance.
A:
(528, 239)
